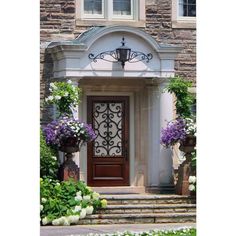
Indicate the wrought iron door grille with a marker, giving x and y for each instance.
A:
(107, 124)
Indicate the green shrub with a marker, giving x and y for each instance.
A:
(48, 161)
(184, 99)
(64, 203)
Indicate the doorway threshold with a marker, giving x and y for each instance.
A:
(120, 190)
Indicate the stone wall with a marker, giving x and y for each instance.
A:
(57, 22)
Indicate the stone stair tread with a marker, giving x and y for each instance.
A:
(141, 215)
(143, 196)
(143, 206)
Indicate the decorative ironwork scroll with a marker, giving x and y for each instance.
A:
(107, 119)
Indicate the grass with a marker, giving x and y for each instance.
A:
(179, 232)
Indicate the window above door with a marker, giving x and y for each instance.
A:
(183, 13)
(110, 12)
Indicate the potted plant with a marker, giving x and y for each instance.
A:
(65, 96)
(182, 130)
(67, 133)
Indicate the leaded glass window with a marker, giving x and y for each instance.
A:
(93, 7)
(187, 8)
(122, 7)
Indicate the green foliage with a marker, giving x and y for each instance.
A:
(60, 199)
(64, 95)
(184, 99)
(48, 161)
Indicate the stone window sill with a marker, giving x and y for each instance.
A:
(105, 22)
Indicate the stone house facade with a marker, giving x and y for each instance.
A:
(71, 30)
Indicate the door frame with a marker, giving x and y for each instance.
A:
(83, 116)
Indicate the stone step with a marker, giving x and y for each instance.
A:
(130, 199)
(163, 208)
(119, 190)
(139, 218)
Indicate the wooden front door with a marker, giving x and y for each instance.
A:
(108, 154)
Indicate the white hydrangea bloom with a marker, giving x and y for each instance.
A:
(78, 198)
(41, 207)
(192, 179)
(82, 213)
(96, 195)
(191, 187)
(54, 158)
(43, 200)
(69, 81)
(66, 222)
(56, 222)
(57, 97)
(89, 210)
(73, 219)
(87, 197)
(50, 98)
(77, 208)
(45, 221)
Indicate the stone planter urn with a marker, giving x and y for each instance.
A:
(184, 171)
(69, 170)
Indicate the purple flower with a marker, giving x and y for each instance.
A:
(58, 131)
(173, 133)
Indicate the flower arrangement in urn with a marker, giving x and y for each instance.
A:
(67, 133)
(181, 130)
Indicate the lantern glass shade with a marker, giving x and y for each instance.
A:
(123, 53)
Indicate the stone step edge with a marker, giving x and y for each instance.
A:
(145, 197)
(143, 206)
(141, 215)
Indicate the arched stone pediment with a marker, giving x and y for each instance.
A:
(71, 57)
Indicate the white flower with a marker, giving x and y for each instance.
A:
(53, 85)
(50, 98)
(54, 158)
(66, 222)
(89, 210)
(104, 203)
(45, 221)
(191, 187)
(78, 198)
(57, 97)
(192, 179)
(96, 195)
(82, 213)
(66, 94)
(43, 200)
(41, 207)
(87, 197)
(77, 208)
(56, 222)
(73, 219)
(69, 81)
(58, 184)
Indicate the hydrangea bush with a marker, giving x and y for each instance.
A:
(58, 131)
(65, 203)
(64, 95)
